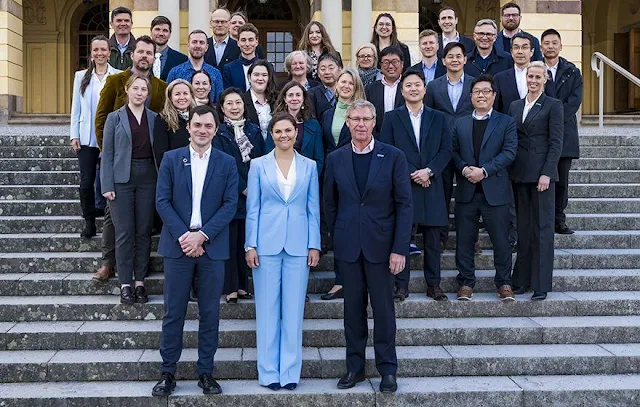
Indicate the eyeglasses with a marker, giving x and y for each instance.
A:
(480, 35)
(394, 62)
(485, 92)
(514, 15)
(365, 120)
(385, 25)
(365, 56)
(219, 22)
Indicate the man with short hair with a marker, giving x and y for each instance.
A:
(194, 236)
(484, 145)
(197, 41)
(512, 84)
(324, 97)
(510, 18)
(166, 57)
(484, 57)
(112, 98)
(565, 83)
(448, 22)
(384, 93)
(234, 73)
(122, 41)
(431, 65)
(424, 136)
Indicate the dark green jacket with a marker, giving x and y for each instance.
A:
(121, 61)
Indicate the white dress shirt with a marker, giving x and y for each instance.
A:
(287, 183)
(528, 106)
(264, 114)
(521, 81)
(390, 94)
(198, 174)
(366, 150)
(245, 68)
(415, 123)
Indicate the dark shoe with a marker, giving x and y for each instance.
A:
(476, 248)
(436, 293)
(505, 293)
(141, 295)
(245, 296)
(274, 386)
(563, 229)
(98, 213)
(388, 384)
(126, 295)
(465, 293)
(538, 296)
(333, 296)
(192, 295)
(290, 386)
(165, 386)
(306, 298)
(230, 300)
(103, 273)
(414, 250)
(350, 380)
(89, 230)
(400, 295)
(208, 384)
(519, 290)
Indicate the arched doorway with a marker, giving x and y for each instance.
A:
(95, 21)
(428, 19)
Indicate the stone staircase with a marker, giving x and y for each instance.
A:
(66, 341)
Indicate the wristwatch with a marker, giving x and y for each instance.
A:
(430, 172)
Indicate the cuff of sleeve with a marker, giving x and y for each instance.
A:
(248, 249)
(486, 175)
(205, 235)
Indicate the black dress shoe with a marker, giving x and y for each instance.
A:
(538, 296)
(333, 296)
(208, 384)
(274, 386)
(519, 290)
(563, 229)
(436, 293)
(141, 295)
(306, 298)
(388, 384)
(290, 386)
(230, 300)
(126, 295)
(165, 386)
(350, 380)
(400, 295)
(89, 230)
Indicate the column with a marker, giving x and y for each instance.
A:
(199, 15)
(332, 20)
(361, 22)
(11, 59)
(171, 10)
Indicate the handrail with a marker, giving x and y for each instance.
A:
(597, 65)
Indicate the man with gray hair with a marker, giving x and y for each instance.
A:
(368, 209)
(485, 58)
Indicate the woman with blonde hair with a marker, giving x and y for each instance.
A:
(315, 41)
(367, 64)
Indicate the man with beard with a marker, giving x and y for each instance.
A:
(166, 57)
(112, 98)
(197, 42)
(510, 18)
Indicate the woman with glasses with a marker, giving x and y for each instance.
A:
(316, 42)
(367, 64)
(385, 34)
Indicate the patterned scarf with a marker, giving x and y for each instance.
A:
(368, 75)
(184, 115)
(242, 140)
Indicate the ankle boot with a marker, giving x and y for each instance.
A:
(89, 230)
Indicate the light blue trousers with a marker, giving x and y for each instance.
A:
(280, 285)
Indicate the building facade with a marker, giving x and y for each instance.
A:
(43, 42)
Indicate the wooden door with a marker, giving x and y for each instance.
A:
(621, 84)
(634, 65)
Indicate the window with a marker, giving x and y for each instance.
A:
(279, 44)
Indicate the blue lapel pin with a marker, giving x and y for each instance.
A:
(186, 162)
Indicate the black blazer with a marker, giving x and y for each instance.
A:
(375, 95)
(499, 61)
(539, 140)
(231, 53)
(250, 109)
(174, 58)
(440, 69)
(537, 54)
(165, 139)
(437, 97)
(506, 90)
(329, 143)
(466, 42)
(319, 101)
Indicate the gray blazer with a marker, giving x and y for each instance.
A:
(115, 167)
(437, 97)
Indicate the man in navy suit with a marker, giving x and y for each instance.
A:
(323, 97)
(448, 22)
(510, 18)
(166, 57)
(512, 84)
(385, 94)
(222, 48)
(424, 136)
(367, 203)
(234, 73)
(484, 145)
(431, 64)
(485, 57)
(450, 94)
(196, 197)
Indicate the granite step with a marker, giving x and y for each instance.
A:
(610, 151)
(240, 363)
(39, 164)
(55, 139)
(418, 305)
(145, 334)
(606, 164)
(46, 151)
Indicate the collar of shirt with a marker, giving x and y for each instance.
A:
(164, 52)
(416, 116)
(124, 46)
(391, 85)
(366, 150)
(328, 93)
(432, 66)
(504, 33)
(223, 42)
(518, 70)
(485, 116)
(455, 83)
(445, 40)
(526, 101)
(195, 155)
(255, 99)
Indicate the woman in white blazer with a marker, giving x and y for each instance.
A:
(282, 242)
(87, 86)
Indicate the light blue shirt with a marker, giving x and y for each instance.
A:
(485, 116)
(429, 71)
(219, 49)
(455, 91)
(123, 48)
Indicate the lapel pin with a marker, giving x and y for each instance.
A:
(381, 155)
(186, 162)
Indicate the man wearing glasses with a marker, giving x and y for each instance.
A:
(510, 18)
(384, 94)
(485, 58)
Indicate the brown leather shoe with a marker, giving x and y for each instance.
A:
(436, 293)
(103, 273)
(505, 293)
(465, 293)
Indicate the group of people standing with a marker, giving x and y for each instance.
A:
(247, 173)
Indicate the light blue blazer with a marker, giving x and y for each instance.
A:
(274, 224)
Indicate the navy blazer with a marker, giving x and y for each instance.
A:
(539, 140)
(319, 101)
(440, 69)
(466, 42)
(225, 141)
(233, 76)
(437, 98)
(329, 142)
(219, 202)
(231, 53)
(497, 152)
(506, 90)
(311, 143)
(537, 54)
(375, 95)
(174, 58)
(500, 61)
(434, 152)
(377, 222)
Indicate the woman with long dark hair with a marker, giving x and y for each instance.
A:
(316, 42)
(260, 99)
(385, 34)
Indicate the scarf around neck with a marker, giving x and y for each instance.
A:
(241, 139)
(368, 75)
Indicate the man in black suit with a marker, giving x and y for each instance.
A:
(166, 57)
(431, 64)
(222, 48)
(450, 94)
(385, 94)
(484, 145)
(565, 83)
(367, 203)
(534, 173)
(484, 57)
(512, 84)
(323, 97)
(448, 22)
(424, 136)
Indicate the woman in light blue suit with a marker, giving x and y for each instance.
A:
(282, 242)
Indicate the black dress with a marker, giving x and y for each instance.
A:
(165, 139)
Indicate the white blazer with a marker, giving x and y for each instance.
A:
(82, 116)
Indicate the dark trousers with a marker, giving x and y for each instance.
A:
(513, 223)
(431, 237)
(447, 179)
(496, 222)
(108, 238)
(88, 161)
(534, 265)
(132, 213)
(236, 276)
(562, 189)
(178, 277)
(364, 280)
(101, 203)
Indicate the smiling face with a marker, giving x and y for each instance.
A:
(328, 72)
(198, 45)
(483, 96)
(391, 67)
(259, 79)
(202, 129)
(365, 58)
(248, 41)
(429, 46)
(521, 51)
(299, 66)
(181, 97)
(138, 92)
(484, 36)
(536, 78)
(510, 18)
(160, 34)
(235, 23)
(284, 134)
(361, 122)
(384, 27)
(315, 35)
(346, 87)
(233, 106)
(413, 89)
(121, 24)
(294, 98)
(201, 85)
(447, 21)
(143, 56)
(100, 52)
(454, 60)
